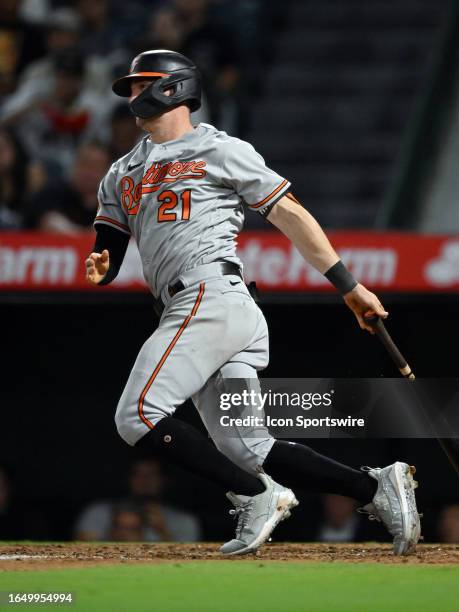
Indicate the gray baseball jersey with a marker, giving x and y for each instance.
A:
(183, 201)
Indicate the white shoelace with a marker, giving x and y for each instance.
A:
(242, 514)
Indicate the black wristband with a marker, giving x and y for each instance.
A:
(341, 278)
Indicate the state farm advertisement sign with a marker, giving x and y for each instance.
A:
(383, 261)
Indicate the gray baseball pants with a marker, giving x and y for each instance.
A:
(209, 332)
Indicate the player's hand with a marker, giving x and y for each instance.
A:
(364, 303)
(97, 266)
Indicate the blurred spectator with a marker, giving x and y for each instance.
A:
(52, 128)
(127, 524)
(130, 18)
(165, 31)
(190, 27)
(101, 44)
(97, 34)
(16, 48)
(448, 525)
(65, 30)
(340, 522)
(34, 11)
(70, 205)
(124, 132)
(36, 81)
(141, 516)
(211, 44)
(19, 178)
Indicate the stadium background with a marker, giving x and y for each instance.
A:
(355, 102)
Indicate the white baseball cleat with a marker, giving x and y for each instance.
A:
(258, 516)
(394, 504)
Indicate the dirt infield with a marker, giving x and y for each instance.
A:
(45, 556)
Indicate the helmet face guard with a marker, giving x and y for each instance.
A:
(152, 101)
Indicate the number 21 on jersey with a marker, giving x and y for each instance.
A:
(172, 205)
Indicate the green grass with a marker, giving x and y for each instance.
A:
(247, 586)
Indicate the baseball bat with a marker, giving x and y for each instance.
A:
(380, 329)
(449, 445)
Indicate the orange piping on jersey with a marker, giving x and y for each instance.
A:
(197, 303)
(109, 220)
(258, 204)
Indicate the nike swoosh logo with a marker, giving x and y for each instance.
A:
(131, 167)
(234, 283)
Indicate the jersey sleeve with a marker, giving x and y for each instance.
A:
(257, 185)
(110, 211)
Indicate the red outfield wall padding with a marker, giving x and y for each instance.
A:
(384, 261)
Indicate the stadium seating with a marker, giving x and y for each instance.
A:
(339, 96)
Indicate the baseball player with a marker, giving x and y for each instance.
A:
(181, 193)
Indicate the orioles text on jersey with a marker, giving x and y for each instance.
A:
(156, 175)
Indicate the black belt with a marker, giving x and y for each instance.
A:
(226, 268)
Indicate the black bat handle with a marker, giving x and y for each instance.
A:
(377, 324)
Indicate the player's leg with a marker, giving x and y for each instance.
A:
(260, 502)
(252, 447)
(170, 368)
(195, 338)
(190, 344)
(182, 445)
(258, 515)
(247, 446)
(387, 494)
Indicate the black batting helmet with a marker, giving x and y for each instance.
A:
(171, 70)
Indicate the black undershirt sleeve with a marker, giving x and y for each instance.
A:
(116, 243)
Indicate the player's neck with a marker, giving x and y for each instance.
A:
(169, 126)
